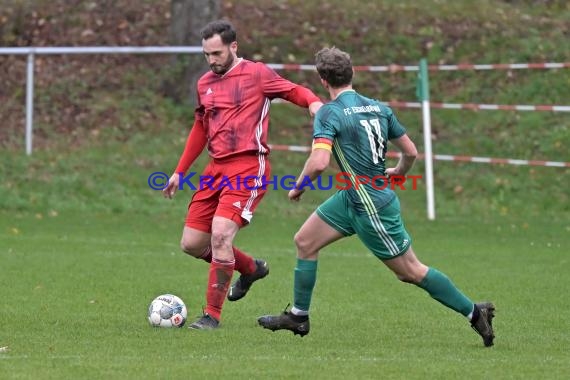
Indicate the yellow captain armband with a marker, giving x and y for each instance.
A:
(322, 146)
(322, 143)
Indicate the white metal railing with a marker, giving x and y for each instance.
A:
(31, 52)
(101, 50)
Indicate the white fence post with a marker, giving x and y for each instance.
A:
(32, 51)
(29, 103)
(426, 116)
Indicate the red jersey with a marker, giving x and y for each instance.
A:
(234, 108)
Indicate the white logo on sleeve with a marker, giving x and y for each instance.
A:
(209, 91)
(237, 204)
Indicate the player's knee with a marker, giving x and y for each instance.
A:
(191, 248)
(299, 241)
(413, 275)
(303, 244)
(221, 240)
(407, 278)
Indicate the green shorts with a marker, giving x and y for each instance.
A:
(383, 233)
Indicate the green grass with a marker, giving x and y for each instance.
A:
(85, 244)
(75, 288)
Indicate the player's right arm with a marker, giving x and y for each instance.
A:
(324, 133)
(317, 162)
(195, 144)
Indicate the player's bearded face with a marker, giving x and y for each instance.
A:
(223, 67)
(220, 57)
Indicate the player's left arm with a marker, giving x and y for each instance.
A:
(397, 136)
(315, 165)
(275, 86)
(409, 153)
(304, 97)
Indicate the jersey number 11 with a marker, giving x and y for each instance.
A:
(374, 131)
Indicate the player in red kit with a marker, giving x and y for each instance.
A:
(231, 119)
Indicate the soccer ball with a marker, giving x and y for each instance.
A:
(167, 310)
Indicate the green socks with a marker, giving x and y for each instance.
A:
(443, 290)
(435, 283)
(305, 278)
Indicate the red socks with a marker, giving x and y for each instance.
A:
(220, 276)
(206, 255)
(244, 263)
(218, 283)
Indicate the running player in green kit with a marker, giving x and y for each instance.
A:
(356, 130)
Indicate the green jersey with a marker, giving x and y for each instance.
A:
(359, 129)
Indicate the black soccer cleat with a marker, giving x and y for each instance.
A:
(205, 322)
(241, 286)
(484, 322)
(299, 325)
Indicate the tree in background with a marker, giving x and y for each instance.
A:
(188, 17)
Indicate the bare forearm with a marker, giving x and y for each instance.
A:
(408, 157)
(310, 171)
(405, 164)
(314, 167)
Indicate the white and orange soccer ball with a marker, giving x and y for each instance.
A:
(167, 310)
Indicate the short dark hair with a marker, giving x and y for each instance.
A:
(334, 66)
(222, 27)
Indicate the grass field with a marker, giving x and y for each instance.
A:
(76, 282)
(85, 245)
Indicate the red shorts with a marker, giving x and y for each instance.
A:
(230, 188)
